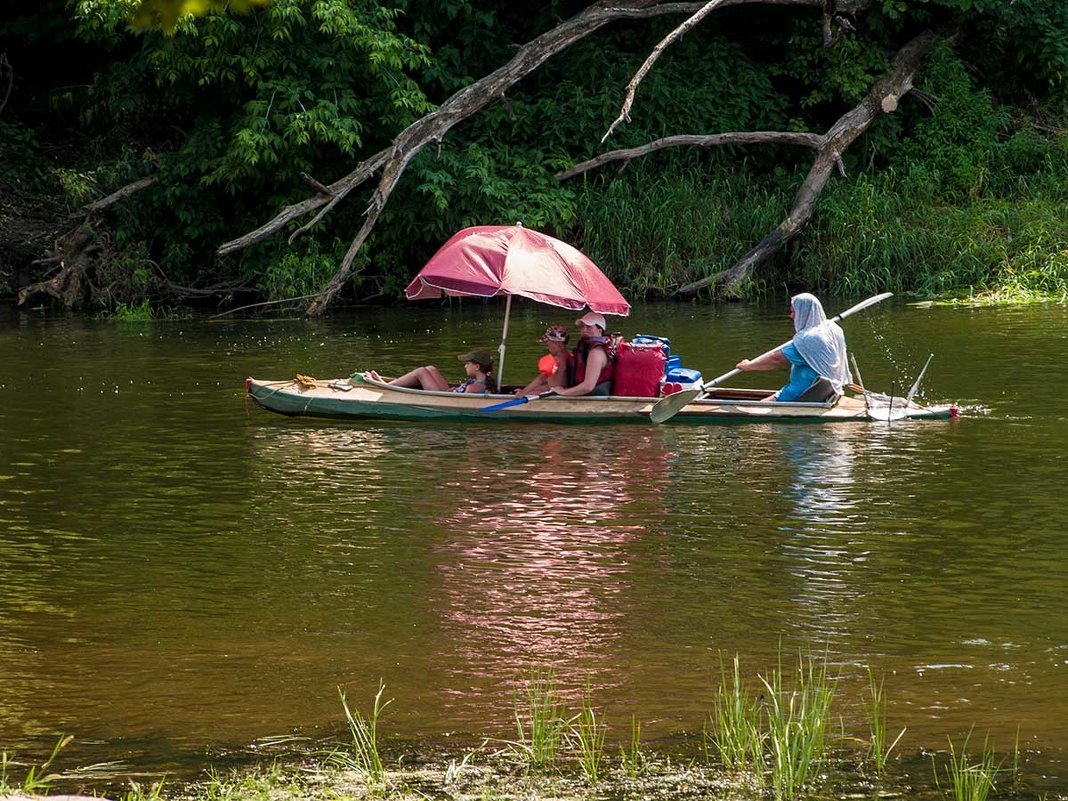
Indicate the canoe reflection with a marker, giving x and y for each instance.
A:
(534, 568)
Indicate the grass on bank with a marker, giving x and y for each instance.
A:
(37, 778)
(540, 722)
(879, 748)
(364, 756)
(967, 776)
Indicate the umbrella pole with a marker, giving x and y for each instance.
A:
(504, 337)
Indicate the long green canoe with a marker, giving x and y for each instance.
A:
(362, 397)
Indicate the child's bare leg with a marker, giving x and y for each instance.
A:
(428, 377)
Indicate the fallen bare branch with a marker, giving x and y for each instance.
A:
(695, 140)
(125, 192)
(228, 312)
(675, 35)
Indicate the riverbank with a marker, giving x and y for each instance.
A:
(497, 772)
(784, 743)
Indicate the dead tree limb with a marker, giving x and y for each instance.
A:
(666, 42)
(829, 8)
(834, 143)
(695, 140)
(432, 128)
(120, 194)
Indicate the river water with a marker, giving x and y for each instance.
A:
(183, 575)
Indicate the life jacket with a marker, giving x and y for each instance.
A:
(582, 352)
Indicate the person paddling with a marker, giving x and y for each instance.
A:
(816, 355)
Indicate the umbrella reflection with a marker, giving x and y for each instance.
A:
(538, 573)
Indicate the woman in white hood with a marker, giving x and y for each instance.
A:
(816, 356)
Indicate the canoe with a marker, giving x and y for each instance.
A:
(362, 397)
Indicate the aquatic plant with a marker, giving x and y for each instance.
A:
(271, 782)
(37, 778)
(798, 720)
(878, 751)
(365, 757)
(967, 777)
(540, 739)
(735, 723)
(454, 770)
(633, 759)
(136, 792)
(589, 735)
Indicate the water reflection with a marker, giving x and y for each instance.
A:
(534, 556)
(819, 546)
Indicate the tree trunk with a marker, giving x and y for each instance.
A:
(895, 84)
(76, 254)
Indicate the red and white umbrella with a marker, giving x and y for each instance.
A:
(490, 260)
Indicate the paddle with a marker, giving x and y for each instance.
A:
(667, 407)
(517, 401)
(903, 411)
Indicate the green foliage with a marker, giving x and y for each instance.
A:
(249, 103)
(230, 110)
(302, 270)
(135, 313)
(839, 75)
(660, 226)
(964, 127)
(900, 232)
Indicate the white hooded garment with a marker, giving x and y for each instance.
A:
(820, 341)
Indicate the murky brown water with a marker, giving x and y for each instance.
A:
(182, 574)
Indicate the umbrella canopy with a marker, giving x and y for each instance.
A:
(489, 260)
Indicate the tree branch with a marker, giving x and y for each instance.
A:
(130, 189)
(694, 140)
(666, 42)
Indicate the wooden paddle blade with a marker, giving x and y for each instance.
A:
(670, 405)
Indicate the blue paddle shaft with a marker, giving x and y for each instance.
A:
(518, 401)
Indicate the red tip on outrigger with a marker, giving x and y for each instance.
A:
(954, 411)
(248, 384)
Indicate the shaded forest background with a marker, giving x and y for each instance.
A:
(227, 118)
